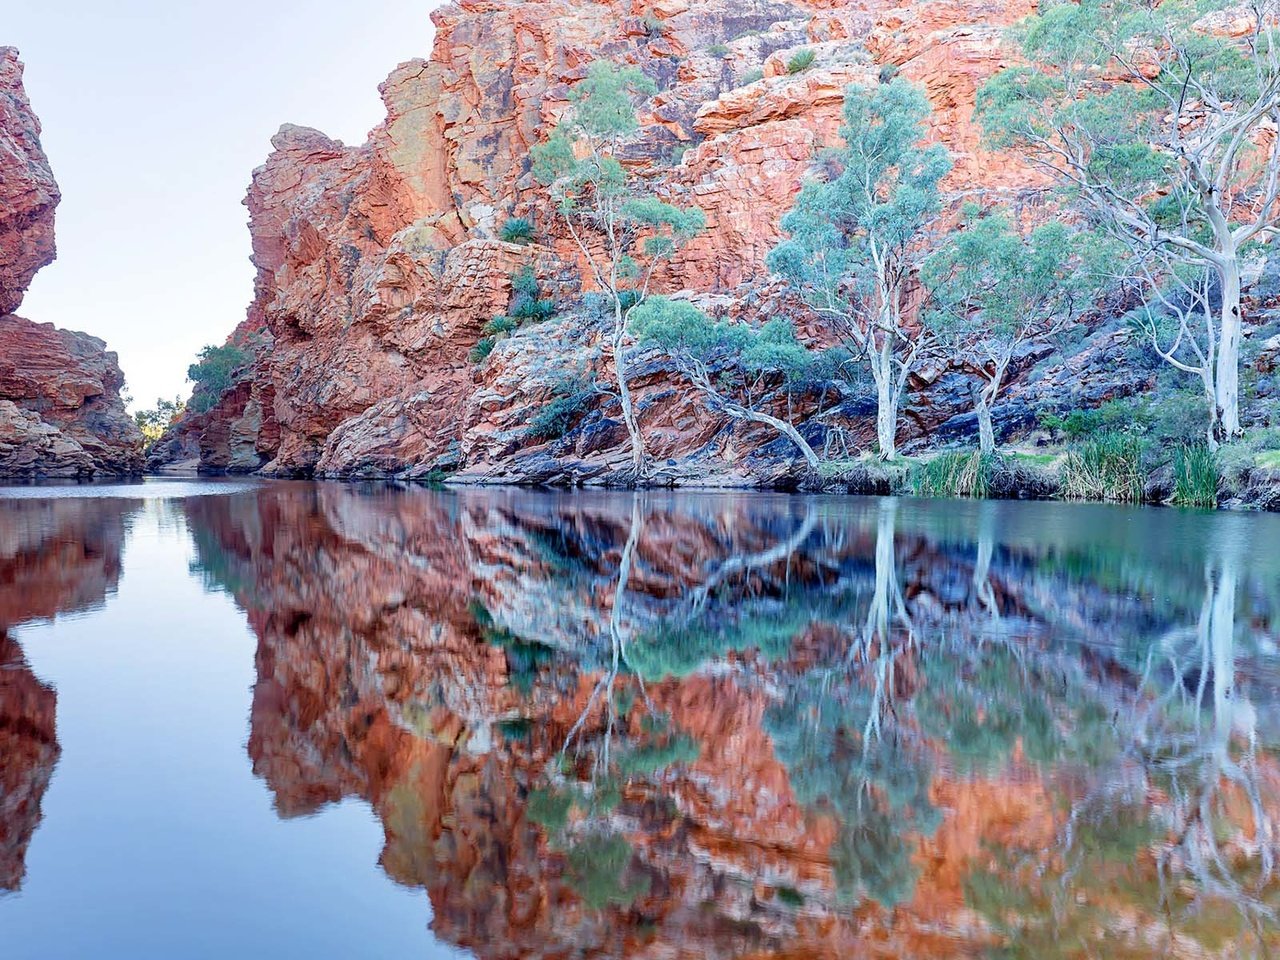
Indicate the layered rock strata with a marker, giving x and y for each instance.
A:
(378, 265)
(61, 414)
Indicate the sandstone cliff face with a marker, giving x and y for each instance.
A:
(28, 192)
(378, 264)
(60, 409)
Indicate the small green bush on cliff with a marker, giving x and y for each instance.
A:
(518, 230)
(654, 26)
(570, 400)
(213, 373)
(526, 306)
(484, 346)
(801, 62)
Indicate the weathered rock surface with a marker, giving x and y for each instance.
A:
(28, 192)
(378, 267)
(60, 409)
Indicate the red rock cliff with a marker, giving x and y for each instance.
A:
(378, 264)
(60, 407)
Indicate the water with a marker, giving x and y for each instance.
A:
(296, 720)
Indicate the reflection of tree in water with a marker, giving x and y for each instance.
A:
(892, 666)
(1176, 832)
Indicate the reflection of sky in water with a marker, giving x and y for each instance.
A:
(157, 840)
(610, 725)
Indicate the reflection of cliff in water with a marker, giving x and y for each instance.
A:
(729, 726)
(56, 557)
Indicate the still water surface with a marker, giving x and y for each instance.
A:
(297, 720)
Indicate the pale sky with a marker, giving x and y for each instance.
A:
(155, 112)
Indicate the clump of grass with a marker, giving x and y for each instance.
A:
(718, 50)
(654, 26)
(484, 346)
(802, 61)
(959, 474)
(1105, 467)
(500, 325)
(1195, 476)
(518, 230)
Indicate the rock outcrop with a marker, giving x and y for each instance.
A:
(60, 409)
(378, 265)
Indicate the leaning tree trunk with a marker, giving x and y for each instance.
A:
(1227, 387)
(638, 462)
(740, 412)
(986, 429)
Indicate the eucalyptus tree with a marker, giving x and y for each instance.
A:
(859, 233)
(994, 292)
(621, 228)
(1161, 119)
(696, 343)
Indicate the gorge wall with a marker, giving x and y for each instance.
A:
(60, 409)
(378, 265)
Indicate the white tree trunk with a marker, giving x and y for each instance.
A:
(986, 429)
(624, 393)
(886, 402)
(1227, 388)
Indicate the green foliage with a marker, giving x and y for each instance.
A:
(527, 303)
(526, 306)
(654, 26)
(498, 326)
(790, 896)
(885, 192)
(597, 870)
(213, 373)
(878, 791)
(802, 61)
(681, 329)
(154, 422)
(678, 649)
(518, 230)
(549, 808)
(1105, 467)
(751, 76)
(1114, 415)
(570, 399)
(959, 474)
(1195, 476)
(718, 50)
(484, 346)
(654, 758)
(992, 288)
